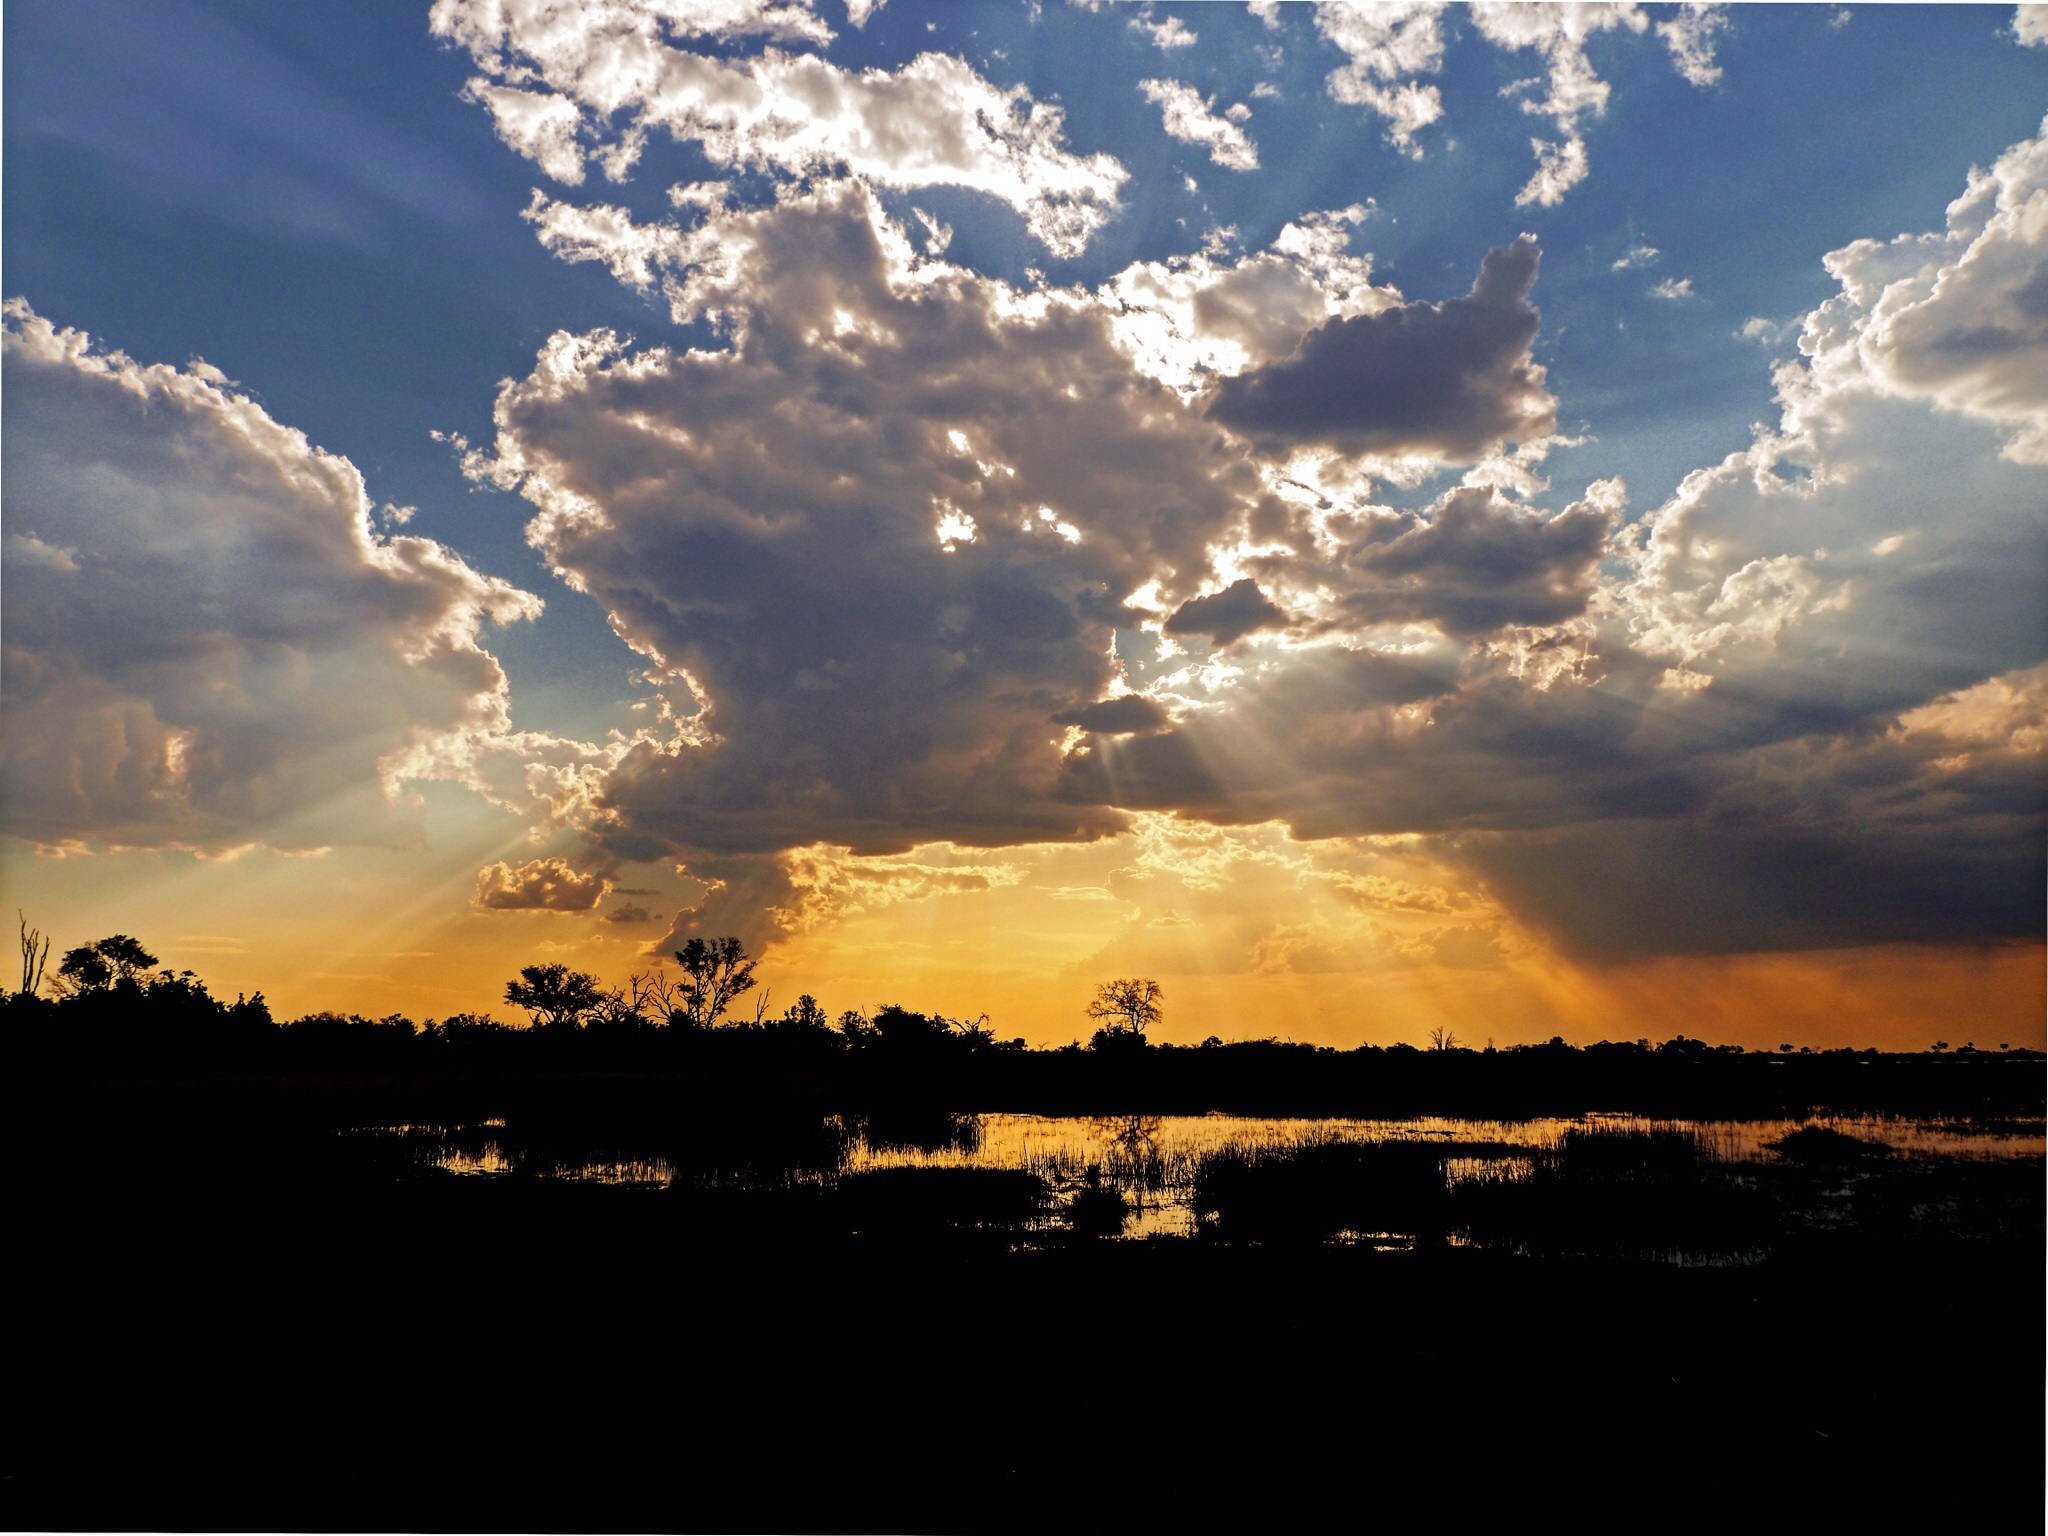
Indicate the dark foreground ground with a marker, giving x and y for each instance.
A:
(201, 1341)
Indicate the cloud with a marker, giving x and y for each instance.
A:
(567, 87)
(1450, 379)
(632, 912)
(763, 899)
(1960, 318)
(1572, 90)
(1672, 288)
(887, 531)
(539, 885)
(763, 525)
(1238, 610)
(1391, 46)
(1388, 45)
(1690, 37)
(1123, 715)
(1187, 117)
(1476, 564)
(1165, 35)
(208, 642)
(2030, 25)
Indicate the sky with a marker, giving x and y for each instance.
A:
(1523, 519)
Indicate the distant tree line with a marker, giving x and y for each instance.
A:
(109, 1010)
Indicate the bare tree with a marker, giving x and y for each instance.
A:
(715, 972)
(1127, 1004)
(1441, 1039)
(35, 953)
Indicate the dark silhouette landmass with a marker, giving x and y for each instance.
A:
(252, 1292)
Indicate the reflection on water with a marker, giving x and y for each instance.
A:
(1152, 1162)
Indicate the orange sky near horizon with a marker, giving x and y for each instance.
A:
(1251, 933)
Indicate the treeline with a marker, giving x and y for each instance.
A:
(129, 1023)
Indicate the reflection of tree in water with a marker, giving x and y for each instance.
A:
(1132, 1159)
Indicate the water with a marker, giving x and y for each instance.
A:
(1152, 1160)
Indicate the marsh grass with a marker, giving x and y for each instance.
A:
(1602, 1186)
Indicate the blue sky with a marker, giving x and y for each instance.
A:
(316, 201)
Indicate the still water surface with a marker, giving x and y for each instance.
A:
(1152, 1158)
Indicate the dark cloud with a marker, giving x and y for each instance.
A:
(632, 912)
(771, 526)
(1449, 379)
(1238, 610)
(1751, 878)
(1475, 565)
(1125, 715)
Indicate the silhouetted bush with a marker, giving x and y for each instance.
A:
(1317, 1188)
(909, 1202)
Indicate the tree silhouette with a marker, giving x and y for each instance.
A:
(116, 958)
(554, 995)
(715, 972)
(1127, 1004)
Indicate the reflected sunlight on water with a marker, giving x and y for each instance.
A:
(1152, 1161)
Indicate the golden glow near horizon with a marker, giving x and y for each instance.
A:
(1252, 933)
(1225, 500)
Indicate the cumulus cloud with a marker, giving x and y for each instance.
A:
(539, 885)
(1188, 117)
(565, 88)
(1475, 564)
(1450, 379)
(886, 534)
(766, 523)
(208, 642)
(1238, 610)
(1189, 318)
(1961, 317)
(2030, 25)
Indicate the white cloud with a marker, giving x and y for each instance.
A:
(1961, 317)
(1388, 46)
(565, 87)
(209, 644)
(1673, 288)
(1637, 255)
(1187, 117)
(1558, 33)
(1690, 37)
(1165, 35)
(2030, 25)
